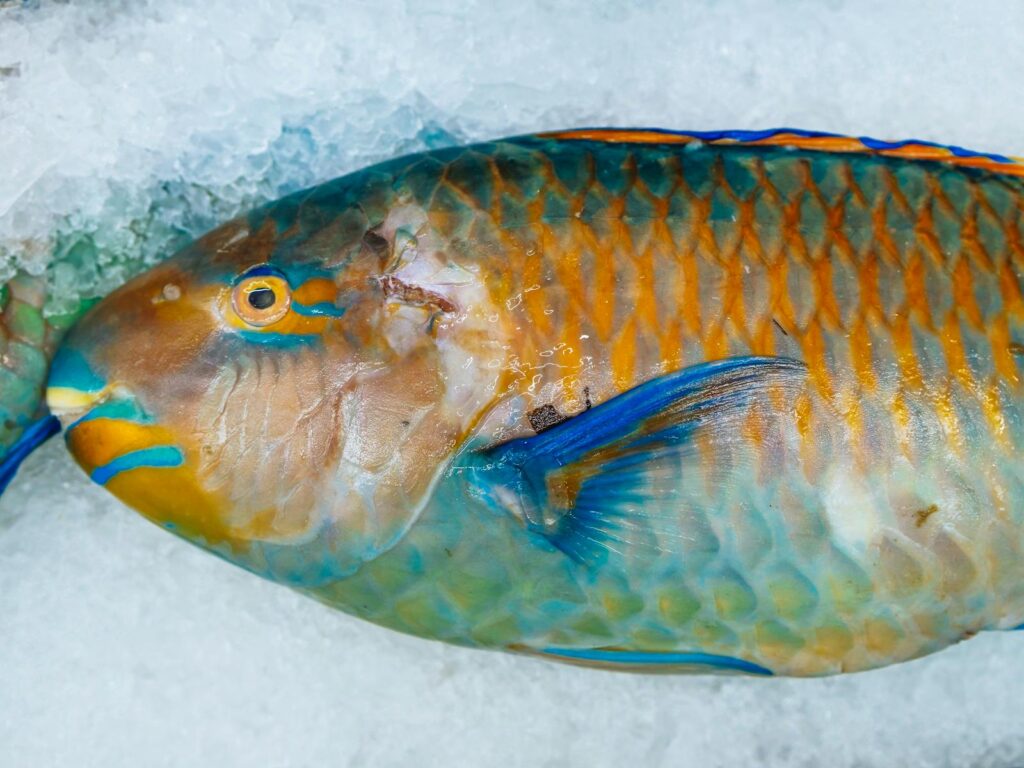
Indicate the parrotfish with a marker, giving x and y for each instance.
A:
(643, 400)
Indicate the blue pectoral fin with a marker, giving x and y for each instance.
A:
(603, 481)
(35, 435)
(655, 661)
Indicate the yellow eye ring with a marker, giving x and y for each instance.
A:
(261, 299)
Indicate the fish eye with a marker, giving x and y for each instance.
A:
(261, 298)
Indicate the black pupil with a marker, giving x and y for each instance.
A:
(262, 298)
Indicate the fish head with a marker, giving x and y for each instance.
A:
(290, 417)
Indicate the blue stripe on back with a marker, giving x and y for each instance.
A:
(742, 136)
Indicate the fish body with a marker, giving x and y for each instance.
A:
(742, 402)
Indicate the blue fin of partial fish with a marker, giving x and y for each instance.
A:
(654, 661)
(607, 479)
(35, 435)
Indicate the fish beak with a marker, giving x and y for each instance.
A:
(73, 388)
(71, 402)
(122, 445)
(107, 430)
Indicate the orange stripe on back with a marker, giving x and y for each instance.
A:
(810, 141)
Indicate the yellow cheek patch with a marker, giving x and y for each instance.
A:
(173, 499)
(166, 493)
(98, 442)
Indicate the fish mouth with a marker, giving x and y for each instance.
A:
(68, 404)
(113, 436)
(108, 432)
(73, 387)
(123, 447)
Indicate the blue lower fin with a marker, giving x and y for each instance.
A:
(655, 661)
(34, 435)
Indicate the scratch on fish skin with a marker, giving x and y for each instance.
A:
(921, 516)
(414, 294)
(240, 235)
(545, 417)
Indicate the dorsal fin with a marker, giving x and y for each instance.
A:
(909, 149)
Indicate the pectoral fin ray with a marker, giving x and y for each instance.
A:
(606, 480)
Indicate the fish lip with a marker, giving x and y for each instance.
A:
(113, 407)
(70, 405)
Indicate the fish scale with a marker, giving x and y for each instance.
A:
(802, 297)
(636, 399)
(761, 251)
